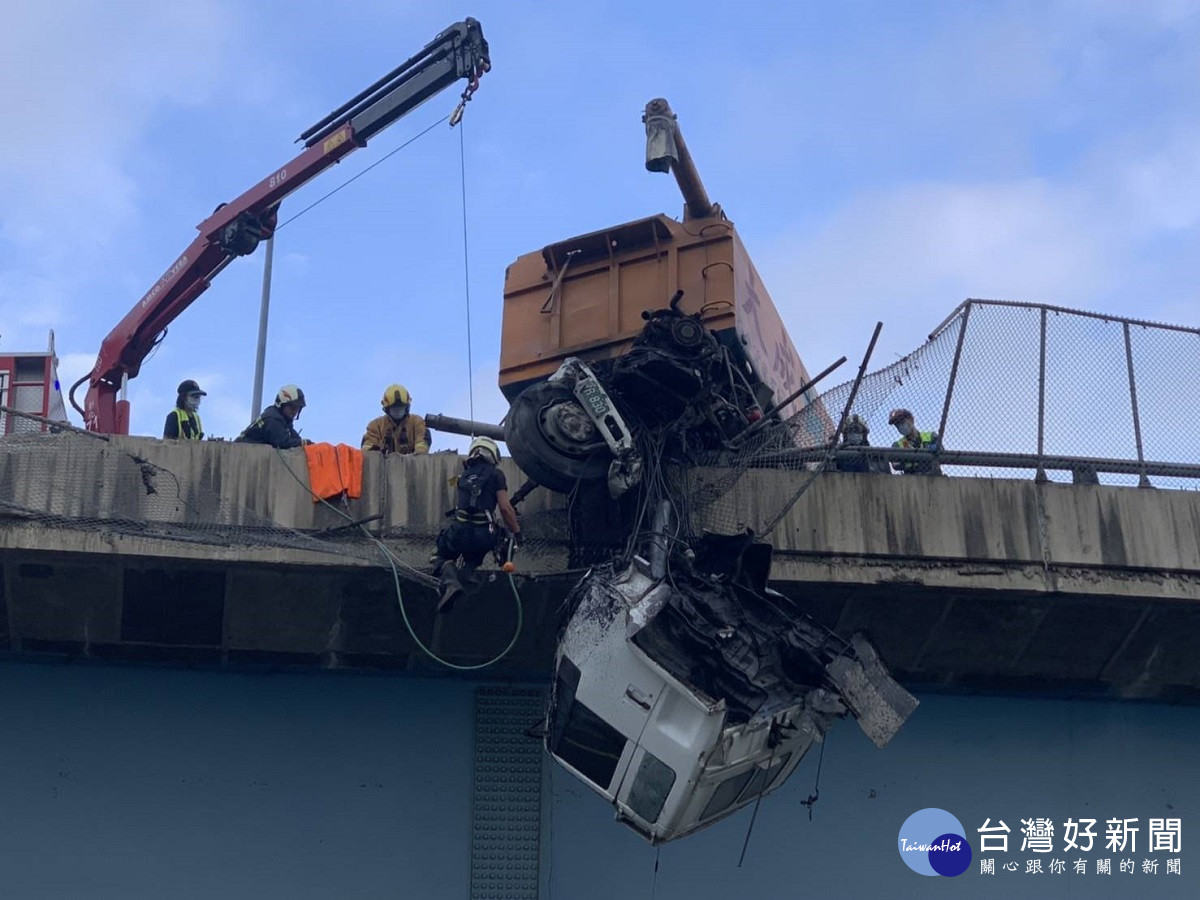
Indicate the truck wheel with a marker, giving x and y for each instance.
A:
(553, 440)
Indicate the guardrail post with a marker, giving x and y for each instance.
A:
(962, 333)
(1040, 477)
(1143, 481)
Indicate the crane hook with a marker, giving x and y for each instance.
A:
(472, 87)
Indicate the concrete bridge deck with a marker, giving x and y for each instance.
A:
(213, 554)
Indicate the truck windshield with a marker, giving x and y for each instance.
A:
(579, 737)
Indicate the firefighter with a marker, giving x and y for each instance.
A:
(912, 439)
(854, 437)
(473, 531)
(183, 422)
(397, 431)
(274, 426)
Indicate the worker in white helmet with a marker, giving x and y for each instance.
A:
(397, 430)
(472, 532)
(274, 425)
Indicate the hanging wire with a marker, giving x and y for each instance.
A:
(816, 794)
(354, 178)
(462, 166)
(390, 558)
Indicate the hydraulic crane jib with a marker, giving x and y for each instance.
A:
(236, 228)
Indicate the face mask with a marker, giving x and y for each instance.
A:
(908, 429)
(397, 412)
(191, 402)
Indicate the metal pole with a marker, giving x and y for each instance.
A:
(1143, 481)
(862, 371)
(831, 450)
(1041, 451)
(261, 353)
(953, 375)
(452, 425)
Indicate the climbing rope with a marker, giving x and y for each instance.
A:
(394, 563)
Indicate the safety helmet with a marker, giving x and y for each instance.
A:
(484, 446)
(857, 423)
(899, 415)
(190, 387)
(289, 393)
(396, 395)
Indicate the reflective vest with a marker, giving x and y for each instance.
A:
(926, 440)
(193, 419)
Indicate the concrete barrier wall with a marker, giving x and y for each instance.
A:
(222, 483)
(1010, 522)
(979, 519)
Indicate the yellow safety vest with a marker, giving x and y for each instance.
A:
(181, 416)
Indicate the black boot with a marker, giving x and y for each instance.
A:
(452, 588)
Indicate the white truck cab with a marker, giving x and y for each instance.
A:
(680, 702)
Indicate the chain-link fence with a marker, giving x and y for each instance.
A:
(1010, 390)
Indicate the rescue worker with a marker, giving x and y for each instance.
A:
(912, 439)
(183, 422)
(472, 532)
(854, 437)
(274, 426)
(396, 431)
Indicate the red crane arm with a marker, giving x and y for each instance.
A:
(236, 228)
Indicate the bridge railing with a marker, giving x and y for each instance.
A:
(1030, 390)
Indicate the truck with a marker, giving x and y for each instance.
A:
(655, 324)
(684, 687)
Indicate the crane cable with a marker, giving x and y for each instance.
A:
(353, 178)
(462, 168)
(390, 557)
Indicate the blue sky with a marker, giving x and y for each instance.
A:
(882, 161)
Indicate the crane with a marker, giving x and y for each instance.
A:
(236, 228)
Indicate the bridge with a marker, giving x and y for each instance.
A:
(1053, 561)
(215, 554)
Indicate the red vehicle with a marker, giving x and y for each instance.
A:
(236, 228)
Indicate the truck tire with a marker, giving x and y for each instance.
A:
(554, 456)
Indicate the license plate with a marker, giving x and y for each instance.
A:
(593, 395)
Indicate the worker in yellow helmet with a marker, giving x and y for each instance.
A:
(397, 430)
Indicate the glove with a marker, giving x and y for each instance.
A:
(519, 539)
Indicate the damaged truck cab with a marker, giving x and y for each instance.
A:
(682, 699)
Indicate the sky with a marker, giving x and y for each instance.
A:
(882, 161)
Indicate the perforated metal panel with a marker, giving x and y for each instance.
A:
(506, 809)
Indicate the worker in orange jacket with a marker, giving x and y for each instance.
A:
(397, 430)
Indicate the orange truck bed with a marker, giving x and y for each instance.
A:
(612, 276)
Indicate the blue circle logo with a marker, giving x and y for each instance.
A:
(933, 842)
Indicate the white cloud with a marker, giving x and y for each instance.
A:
(909, 255)
(83, 82)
